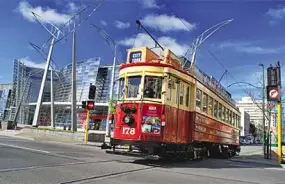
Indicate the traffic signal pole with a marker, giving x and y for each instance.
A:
(279, 126)
(87, 127)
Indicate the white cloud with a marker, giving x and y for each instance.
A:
(142, 39)
(276, 14)
(122, 25)
(103, 23)
(72, 8)
(149, 4)
(27, 61)
(167, 23)
(249, 47)
(46, 14)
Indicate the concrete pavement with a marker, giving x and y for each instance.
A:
(34, 162)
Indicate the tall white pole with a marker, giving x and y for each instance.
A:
(40, 97)
(108, 130)
(51, 99)
(73, 102)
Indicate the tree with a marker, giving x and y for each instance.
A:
(112, 104)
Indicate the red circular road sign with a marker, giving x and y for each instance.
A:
(273, 93)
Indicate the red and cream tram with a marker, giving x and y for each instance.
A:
(165, 110)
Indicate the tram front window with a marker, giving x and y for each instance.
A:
(152, 87)
(133, 86)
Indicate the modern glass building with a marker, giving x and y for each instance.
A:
(26, 86)
(5, 99)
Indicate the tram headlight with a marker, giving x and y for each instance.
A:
(128, 119)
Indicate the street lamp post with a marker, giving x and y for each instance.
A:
(263, 110)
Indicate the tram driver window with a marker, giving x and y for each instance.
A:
(133, 86)
(121, 87)
(152, 87)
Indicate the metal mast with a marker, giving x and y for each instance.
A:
(113, 46)
(191, 52)
(56, 36)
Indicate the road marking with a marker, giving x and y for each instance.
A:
(275, 168)
(238, 165)
(24, 148)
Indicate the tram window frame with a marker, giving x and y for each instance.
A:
(220, 111)
(198, 99)
(121, 88)
(170, 85)
(230, 117)
(210, 105)
(128, 86)
(187, 96)
(181, 94)
(223, 113)
(216, 108)
(205, 102)
(158, 85)
(227, 115)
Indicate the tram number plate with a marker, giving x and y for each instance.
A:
(128, 131)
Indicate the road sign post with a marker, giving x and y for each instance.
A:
(274, 94)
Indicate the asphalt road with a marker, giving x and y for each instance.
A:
(35, 162)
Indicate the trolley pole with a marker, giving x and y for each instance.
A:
(87, 127)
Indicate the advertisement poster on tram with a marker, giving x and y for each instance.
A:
(151, 119)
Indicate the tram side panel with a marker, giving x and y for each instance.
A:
(178, 126)
(212, 131)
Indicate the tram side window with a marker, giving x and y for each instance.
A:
(169, 90)
(210, 106)
(230, 117)
(152, 87)
(234, 119)
(187, 96)
(220, 111)
(181, 95)
(227, 115)
(198, 99)
(215, 109)
(223, 113)
(205, 102)
(133, 86)
(121, 87)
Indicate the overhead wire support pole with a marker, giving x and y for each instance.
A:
(73, 102)
(55, 33)
(201, 38)
(113, 46)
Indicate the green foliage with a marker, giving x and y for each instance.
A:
(112, 104)
(252, 130)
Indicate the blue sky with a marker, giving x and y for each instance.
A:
(256, 35)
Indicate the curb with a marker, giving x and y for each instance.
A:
(255, 162)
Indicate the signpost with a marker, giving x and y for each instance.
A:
(89, 105)
(274, 95)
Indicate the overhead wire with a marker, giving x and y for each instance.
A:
(216, 59)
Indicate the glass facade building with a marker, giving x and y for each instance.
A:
(27, 82)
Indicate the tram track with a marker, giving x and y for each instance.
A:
(59, 165)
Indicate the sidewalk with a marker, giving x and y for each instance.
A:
(48, 138)
(257, 157)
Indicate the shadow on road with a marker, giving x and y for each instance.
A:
(250, 161)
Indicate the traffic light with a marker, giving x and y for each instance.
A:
(92, 92)
(90, 105)
(83, 105)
